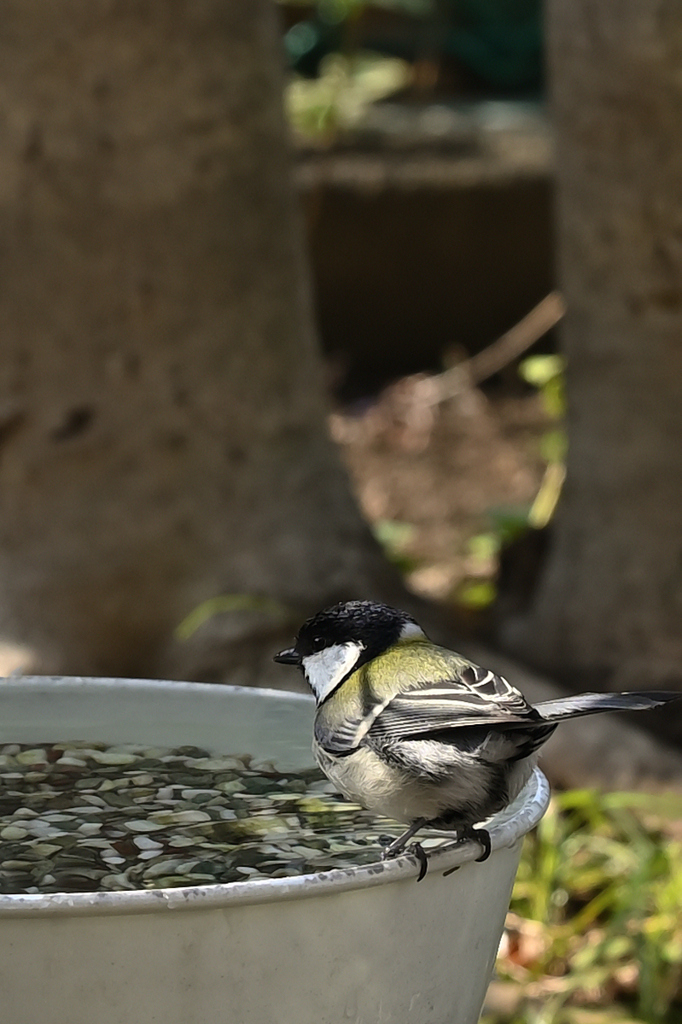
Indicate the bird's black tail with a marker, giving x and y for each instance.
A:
(591, 703)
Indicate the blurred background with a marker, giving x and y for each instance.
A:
(425, 165)
(309, 301)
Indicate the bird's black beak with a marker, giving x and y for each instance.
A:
(289, 657)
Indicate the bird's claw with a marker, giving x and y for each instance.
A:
(418, 851)
(395, 848)
(480, 836)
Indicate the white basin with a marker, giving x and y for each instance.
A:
(366, 945)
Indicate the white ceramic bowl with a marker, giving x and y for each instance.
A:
(355, 946)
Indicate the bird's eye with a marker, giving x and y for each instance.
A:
(318, 643)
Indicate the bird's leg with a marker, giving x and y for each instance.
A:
(464, 832)
(398, 845)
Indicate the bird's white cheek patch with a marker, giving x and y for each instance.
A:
(325, 669)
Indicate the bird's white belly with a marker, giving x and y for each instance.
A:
(366, 779)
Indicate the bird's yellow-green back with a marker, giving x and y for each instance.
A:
(409, 664)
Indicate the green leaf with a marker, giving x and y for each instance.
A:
(540, 370)
(226, 603)
(475, 594)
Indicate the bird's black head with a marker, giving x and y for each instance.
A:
(338, 640)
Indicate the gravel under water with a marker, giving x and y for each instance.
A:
(85, 817)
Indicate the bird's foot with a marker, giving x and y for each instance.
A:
(480, 836)
(396, 846)
(418, 851)
(400, 845)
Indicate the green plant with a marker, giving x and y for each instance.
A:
(395, 537)
(506, 523)
(336, 99)
(596, 910)
(548, 374)
(225, 604)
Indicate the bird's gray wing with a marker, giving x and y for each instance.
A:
(471, 701)
(476, 697)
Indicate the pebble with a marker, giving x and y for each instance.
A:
(113, 757)
(146, 843)
(13, 832)
(113, 858)
(44, 829)
(94, 799)
(44, 849)
(162, 867)
(142, 780)
(142, 825)
(32, 756)
(189, 817)
(89, 828)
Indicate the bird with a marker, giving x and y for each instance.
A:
(418, 733)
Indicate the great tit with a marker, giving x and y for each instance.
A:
(416, 732)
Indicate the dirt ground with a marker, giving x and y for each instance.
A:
(433, 479)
